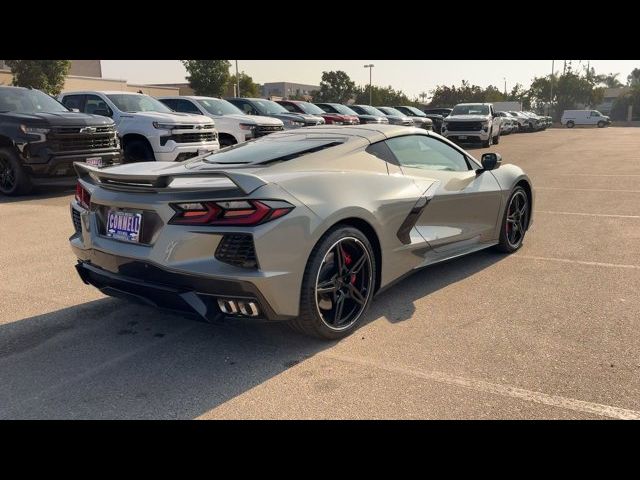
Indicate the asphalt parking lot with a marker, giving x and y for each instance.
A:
(550, 332)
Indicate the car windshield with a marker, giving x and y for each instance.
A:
(470, 110)
(218, 106)
(28, 101)
(370, 110)
(267, 107)
(133, 103)
(343, 109)
(391, 111)
(270, 149)
(310, 108)
(415, 112)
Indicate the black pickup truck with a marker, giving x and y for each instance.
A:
(40, 139)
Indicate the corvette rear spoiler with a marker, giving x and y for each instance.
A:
(246, 182)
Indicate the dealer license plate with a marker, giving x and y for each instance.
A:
(123, 225)
(94, 161)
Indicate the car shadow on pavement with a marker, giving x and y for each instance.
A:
(41, 193)
(111, 359)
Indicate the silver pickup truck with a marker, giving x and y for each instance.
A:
(473, 122)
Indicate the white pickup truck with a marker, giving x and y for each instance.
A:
(233, 125)
(148, 130)
(469, 122)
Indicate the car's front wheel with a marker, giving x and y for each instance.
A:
(338, 284)
(515, 221)
(137, 151)
(570, 124)
(601, 124)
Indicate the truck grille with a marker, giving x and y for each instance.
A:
(237, 249)
(262, 130)
(73, 139)
(464, 126)
(198, 137)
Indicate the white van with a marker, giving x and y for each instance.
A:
(571, 118)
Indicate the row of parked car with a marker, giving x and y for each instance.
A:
(41, 137)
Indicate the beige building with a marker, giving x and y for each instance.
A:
(87, 75)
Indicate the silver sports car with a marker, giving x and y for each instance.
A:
(305, 225)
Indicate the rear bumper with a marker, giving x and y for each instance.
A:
(153, 285)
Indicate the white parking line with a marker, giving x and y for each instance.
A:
(587, 189)
(597, 174)
(497, 389)
(578, 262)
(588, 214)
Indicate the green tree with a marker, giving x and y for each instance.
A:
(381, 96)
(45, 75)
(610, 80)
(569, 91)
(492, 94)
(208, 77)
(634, 77)
(335, 87)
(621, 105)
(247, 86)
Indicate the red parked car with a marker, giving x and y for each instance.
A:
(298, 106)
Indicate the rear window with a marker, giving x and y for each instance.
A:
(271, 149)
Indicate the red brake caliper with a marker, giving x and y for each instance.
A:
(347, 262)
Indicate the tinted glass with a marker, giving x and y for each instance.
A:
(420, 151)
(137, 103)
(470, 110)
(268, 149)
(218, 106)
(28, 101)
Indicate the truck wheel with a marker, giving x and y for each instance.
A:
(570, 124)
(14, 180)
(600, 124)
(496, 139)
(138, 151)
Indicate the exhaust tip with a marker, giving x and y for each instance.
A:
(238, 307)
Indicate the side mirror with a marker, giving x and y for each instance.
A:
(75, 110)
(491, 161)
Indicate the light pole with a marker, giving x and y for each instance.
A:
(237, 80)
(370, 67)
(551, 88)
(505, 86)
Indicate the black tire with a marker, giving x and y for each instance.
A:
(487, 142)
(511, 239)
(570, 124)
(138, 151)
(496, 139)
(311, 320)
(601, 124)
(14, 180)
(227, 141)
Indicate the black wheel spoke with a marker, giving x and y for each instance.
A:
(355, 269)
(356, 295)
(343, 285)
(339, 306)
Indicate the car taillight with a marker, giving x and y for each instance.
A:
(229, 212)
(83, 197)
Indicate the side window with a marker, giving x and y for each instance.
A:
(420, 151)
(595, 114)
(169, 102)
(186, 106)
(73, 101)
(289, 107)
(382, 151)
(97, 106)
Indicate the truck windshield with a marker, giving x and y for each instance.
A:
(28, 101)
(267, 107)
(217, 106)
(470, 110)
(368, 110)
(310, 108)
(133, 103)
(415, 112)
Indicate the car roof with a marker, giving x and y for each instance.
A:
(372, 132)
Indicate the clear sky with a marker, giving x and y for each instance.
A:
(410, 76)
